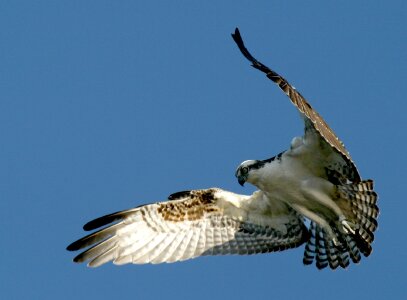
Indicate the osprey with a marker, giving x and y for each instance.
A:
(314, 179)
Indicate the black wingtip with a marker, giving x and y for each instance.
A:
(239, 42)
(73, 246)
(99, 222)
(179, 195)
(104, 220)
(255, 63)
(236, 35)
(96, 223)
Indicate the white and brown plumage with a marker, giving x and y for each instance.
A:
(191, 224)
(315, 178)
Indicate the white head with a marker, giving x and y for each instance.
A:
(246, 171)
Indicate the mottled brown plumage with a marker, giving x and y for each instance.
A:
(199, 203)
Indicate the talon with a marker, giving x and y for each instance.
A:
(336, 242)
(347, 227)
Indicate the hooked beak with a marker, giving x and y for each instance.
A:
(241, 181)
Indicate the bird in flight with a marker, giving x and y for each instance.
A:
(315, 179)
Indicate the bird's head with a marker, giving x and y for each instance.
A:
(245, 170)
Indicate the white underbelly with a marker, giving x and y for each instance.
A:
(291, 182)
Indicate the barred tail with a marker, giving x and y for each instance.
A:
(354, 234)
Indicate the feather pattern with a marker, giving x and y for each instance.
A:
(351, 244)
(200, 222)
(310, 115)
(318, 178)
(314, 179)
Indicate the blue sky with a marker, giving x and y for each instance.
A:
(106, 105)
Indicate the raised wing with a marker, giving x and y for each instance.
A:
(312, 118)
(193, 223)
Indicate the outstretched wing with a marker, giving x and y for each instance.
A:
(191, 224)
(314, 123)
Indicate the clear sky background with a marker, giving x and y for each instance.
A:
(106, 105)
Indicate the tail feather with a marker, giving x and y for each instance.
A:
(361, 199)
(321, 255)
(322, 249)
(353, 249)
(358, 202)
(362, 244)
(344, 259)
(310, 248)
(367, 222)
(366, 207)
(333, 255)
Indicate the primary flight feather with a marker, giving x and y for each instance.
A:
(314, 179)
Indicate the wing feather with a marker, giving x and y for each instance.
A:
(200, 222)
(172, 250)
(103, 257)
(142, 256)
(159, 253)
(312, 118)
(193, 244)
(184, 245)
